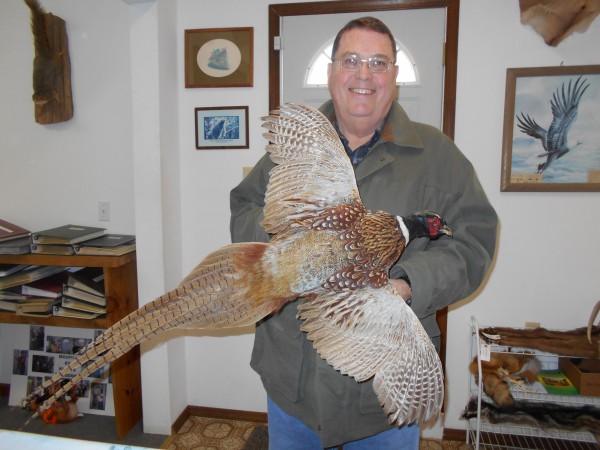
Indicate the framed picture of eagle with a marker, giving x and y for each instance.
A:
(551, 139)
(222, 127)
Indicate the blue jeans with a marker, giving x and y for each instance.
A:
(288, 433)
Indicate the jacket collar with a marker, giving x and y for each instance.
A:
(397, 129)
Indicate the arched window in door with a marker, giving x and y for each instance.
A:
(316, 73)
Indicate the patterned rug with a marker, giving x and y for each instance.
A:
(206, 433)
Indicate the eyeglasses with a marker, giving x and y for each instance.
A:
(352, 63)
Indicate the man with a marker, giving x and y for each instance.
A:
(401, 167)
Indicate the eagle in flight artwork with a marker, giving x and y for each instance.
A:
(547, 140)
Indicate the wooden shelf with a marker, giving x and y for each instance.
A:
(120, 285)
(68, 261)
(8, 317)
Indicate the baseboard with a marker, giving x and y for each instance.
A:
(217, 413)
(451, 434)
(4, 390)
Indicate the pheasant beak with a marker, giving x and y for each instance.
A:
(445, 230)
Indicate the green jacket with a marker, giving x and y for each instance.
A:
(412, 167)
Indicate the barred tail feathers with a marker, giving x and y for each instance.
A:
(225, 290)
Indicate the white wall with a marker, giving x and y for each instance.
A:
(55, 174)
(546, 268)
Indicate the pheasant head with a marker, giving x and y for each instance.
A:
(423, 224)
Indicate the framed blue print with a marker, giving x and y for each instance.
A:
(551, 139)
(222, 127)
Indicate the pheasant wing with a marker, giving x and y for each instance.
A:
(372, 332)
(564, 111)
(313, 171)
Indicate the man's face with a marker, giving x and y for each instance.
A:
(362, 94)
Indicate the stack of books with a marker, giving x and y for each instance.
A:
(61, 240)
(32, 290)
(28, 275)
(14, 240)
(83, 295)
(29, 306)
(108, 245)
(45, 291)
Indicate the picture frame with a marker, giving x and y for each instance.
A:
(219, 57)
(551, 138)
(222, 127)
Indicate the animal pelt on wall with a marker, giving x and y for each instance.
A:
(555, 20)
(502, 369)
(581, 342)
(46, 64)
(565, 343)
(539, 414)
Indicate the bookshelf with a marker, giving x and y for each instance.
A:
(120, 285)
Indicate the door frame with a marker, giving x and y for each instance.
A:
(276, 12)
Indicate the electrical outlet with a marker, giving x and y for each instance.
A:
(104, 210)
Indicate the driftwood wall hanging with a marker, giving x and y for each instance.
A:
(51, 67)
(555, 20)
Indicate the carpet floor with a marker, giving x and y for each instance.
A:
(205, 433)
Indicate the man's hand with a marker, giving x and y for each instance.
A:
(403, 289)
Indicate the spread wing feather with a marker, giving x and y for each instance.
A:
(372, 332)
(313, 171)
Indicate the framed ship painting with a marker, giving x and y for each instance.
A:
(219, 57)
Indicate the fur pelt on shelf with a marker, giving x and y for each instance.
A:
(539, 414)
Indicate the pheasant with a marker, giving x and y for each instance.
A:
(326, 248)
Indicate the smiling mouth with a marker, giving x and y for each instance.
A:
(362, 91)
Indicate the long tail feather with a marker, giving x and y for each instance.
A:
(220, 292)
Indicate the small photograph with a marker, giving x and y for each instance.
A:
(80, 343)
(20, 360)
(42, 363)
(81, 389)
(98, 396)
(36, 338)
(33, 383)
(101, 372)
(59, 344)
(53, 344)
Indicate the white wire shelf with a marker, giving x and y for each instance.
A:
(484, 435)
(500, 437)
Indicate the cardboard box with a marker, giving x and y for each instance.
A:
(583, 373)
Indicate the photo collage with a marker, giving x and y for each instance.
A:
(41, 351)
